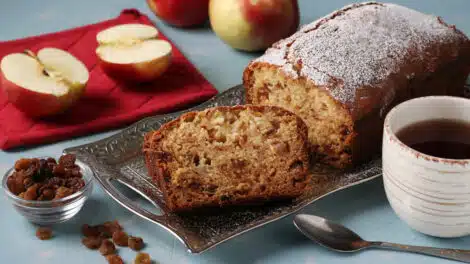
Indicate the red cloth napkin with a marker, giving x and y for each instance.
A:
(105, 104)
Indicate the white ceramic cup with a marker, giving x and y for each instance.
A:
(431, 194)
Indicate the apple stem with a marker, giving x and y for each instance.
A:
(30, 53)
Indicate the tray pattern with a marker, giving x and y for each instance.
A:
(119, 158)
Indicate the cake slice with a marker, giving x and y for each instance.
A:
(223, 156)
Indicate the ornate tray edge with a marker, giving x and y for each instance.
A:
(301, 207)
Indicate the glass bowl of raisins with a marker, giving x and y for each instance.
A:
(46, 191)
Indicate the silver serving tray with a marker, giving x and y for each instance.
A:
(119, 158)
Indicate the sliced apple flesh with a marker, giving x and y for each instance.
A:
(126, 32)
(44, 84)
(132, 52)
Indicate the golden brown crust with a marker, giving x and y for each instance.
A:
(166, 166)
(364, 138)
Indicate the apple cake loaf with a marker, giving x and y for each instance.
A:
(222, 156)
(342, 73)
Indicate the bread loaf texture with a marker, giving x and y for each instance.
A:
(224, 156)
(342, 74)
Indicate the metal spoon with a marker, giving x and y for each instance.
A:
(340, 238)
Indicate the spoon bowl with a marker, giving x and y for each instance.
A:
(329, 234)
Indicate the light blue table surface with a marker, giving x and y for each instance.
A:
(363, 208)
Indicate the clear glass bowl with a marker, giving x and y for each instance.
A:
(51, 212)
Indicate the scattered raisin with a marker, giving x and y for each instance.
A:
(120, 238)
(51, 160)
(18, 185)
(14, 187)
(62, 192)
(44, 233)
(22, 164)
(28, 182)
(48, 194)
(31, 170)
(50, 164)
(32, 192)
(107, 247)
(108, 228)
(67, 160)
(55, 182)
(104, 232)
(114, 225)
(92, 242)
(114, 259)
(20, 176)
(135, 243)
(43, 172)
(95, 238)
(142, 258)
(11, 183)
(75, 172)
(90, 231)
(58, 170)
(74, 183)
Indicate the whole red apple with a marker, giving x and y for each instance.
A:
(181, 13)
(253, 25)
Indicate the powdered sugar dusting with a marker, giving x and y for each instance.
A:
(275, 56)
(362, 45)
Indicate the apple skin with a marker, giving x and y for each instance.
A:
(181, 13)
(136, 72)
(253, 25)
(36, 104)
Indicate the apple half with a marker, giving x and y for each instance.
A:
(44, 84)
(132, 53)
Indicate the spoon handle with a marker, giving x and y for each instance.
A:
(454, 254)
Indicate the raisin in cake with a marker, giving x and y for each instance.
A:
(344, 72)
(229, 156)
